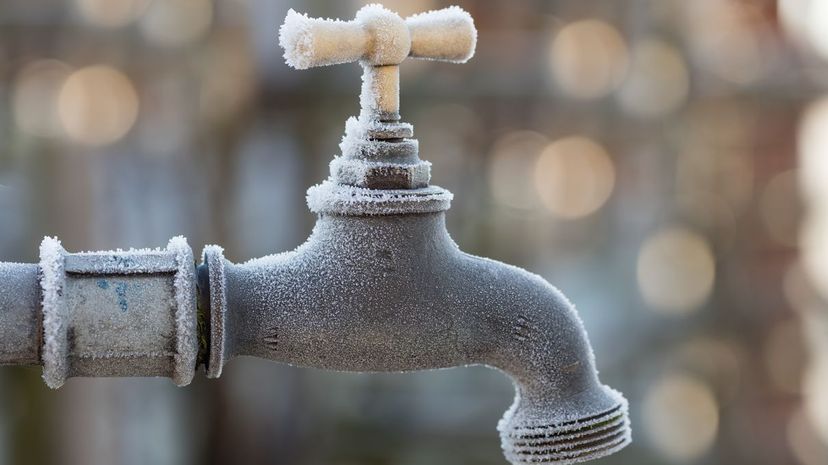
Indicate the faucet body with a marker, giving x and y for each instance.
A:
(379, 293)
(365, 293)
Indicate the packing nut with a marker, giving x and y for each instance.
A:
(380, 175)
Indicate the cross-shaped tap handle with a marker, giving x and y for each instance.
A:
(380, 40)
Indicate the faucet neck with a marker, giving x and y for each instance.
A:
(413, 232)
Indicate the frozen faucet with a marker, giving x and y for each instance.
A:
(378, 286)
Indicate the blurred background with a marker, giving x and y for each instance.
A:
(664, 163)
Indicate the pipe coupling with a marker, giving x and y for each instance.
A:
(118, 313)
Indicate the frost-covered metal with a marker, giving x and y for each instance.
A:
(118, 313)
(378, 286)
(20, 297)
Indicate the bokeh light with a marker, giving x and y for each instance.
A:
(813, 176)
(402, 7)
(574, 177)
(443, 130)
(726, 40)
(681, 417)
(723, 172)
(658, 81)
(798, 289)
(815, 386)
(721, 362)
(97, 105)
(110, 13)
(806, 446)
(35, 97)
(785, 352)
(511, 163)
(177, 23)
(707, 211)
(588, 59)
(779, 207)
(806, 22)
(223, 95)
(676, 271)
(815, 251)
(813, 145)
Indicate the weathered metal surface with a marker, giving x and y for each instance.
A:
(213, 301)
(19, 314)
(394, 293)
(117, 318)
(118, 313)
(121, 262)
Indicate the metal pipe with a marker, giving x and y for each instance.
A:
(19, 314)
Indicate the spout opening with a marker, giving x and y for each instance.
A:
(564, 440)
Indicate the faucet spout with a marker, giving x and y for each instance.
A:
(394, 293)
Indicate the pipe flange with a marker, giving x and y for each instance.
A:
(338, 199)
(52, 280)
(213, 258)
(186, 318)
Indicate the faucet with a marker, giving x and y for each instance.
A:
(379, 286)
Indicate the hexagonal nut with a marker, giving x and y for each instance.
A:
(380, 175)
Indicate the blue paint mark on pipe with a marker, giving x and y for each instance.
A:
(122, 262)
(103, 284)
(121, 289)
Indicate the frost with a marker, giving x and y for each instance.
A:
(20, 315)
(447, 35)
(186, 346)
(380, 40)
(62, 313)
(54, 312)
(213, 256)
(365, 138)
(296, 38)
(360, 172)
(374, 293)
(330, 197)
(360, 129)
(378, 37)
(571, 439)
(390, 40)
(310, 42)
(129, 251)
